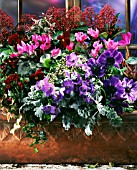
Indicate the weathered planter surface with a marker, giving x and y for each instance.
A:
(107, 144)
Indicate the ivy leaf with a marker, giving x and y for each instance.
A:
(116, 121)
(132, 60)
(24, 68)
(88, 130)
(35, 149)
(72, 37)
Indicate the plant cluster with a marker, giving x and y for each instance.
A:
(66, 65)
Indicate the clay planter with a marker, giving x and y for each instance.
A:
(108, 144)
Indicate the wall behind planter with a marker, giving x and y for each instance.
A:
(107, 144)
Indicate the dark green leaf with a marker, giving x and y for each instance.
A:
(57, 34)
(117, 15)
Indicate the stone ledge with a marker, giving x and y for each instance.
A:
(107, 144)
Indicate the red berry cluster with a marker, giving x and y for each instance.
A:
(6, 26)
(26, 22)
(64, 20)
(88, 17)
(106, 20)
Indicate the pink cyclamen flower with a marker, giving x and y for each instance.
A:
(21, 48)
(14, 55)
(70, 46)
(125, 39)
(93, 33)
(81, 37)
(45, 46)
(94, 53)
(45, 38)
(55, 52)
(110, 44)
(97, 45)
(36, 38)
(30, 48)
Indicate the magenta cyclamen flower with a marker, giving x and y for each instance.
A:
(125, 39)
(21, 48)
(81, 37)
(93, 33)
(36, 38)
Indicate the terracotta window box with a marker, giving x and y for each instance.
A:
(107, 144)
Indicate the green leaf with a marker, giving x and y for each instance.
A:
(35, 149)
(47, 62)
(117, 15)
(123, 31)
(85, 28)
(116, 121)
(103, 35)
(32, 144)
(132, 60)
(72, 37)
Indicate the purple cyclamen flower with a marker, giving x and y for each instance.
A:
(110, 57)
(71, 59)
(69, 86)
(51, 110)
(130, 89)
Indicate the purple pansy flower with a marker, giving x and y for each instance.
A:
(48, 89)
(71, 59)
(130, 89)
(58, 96)
(83, 89)
(75, 77)
(110, 57)
(96, 68)
(51, 110)
(118, 103)
(113, 86)
(69, 86)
